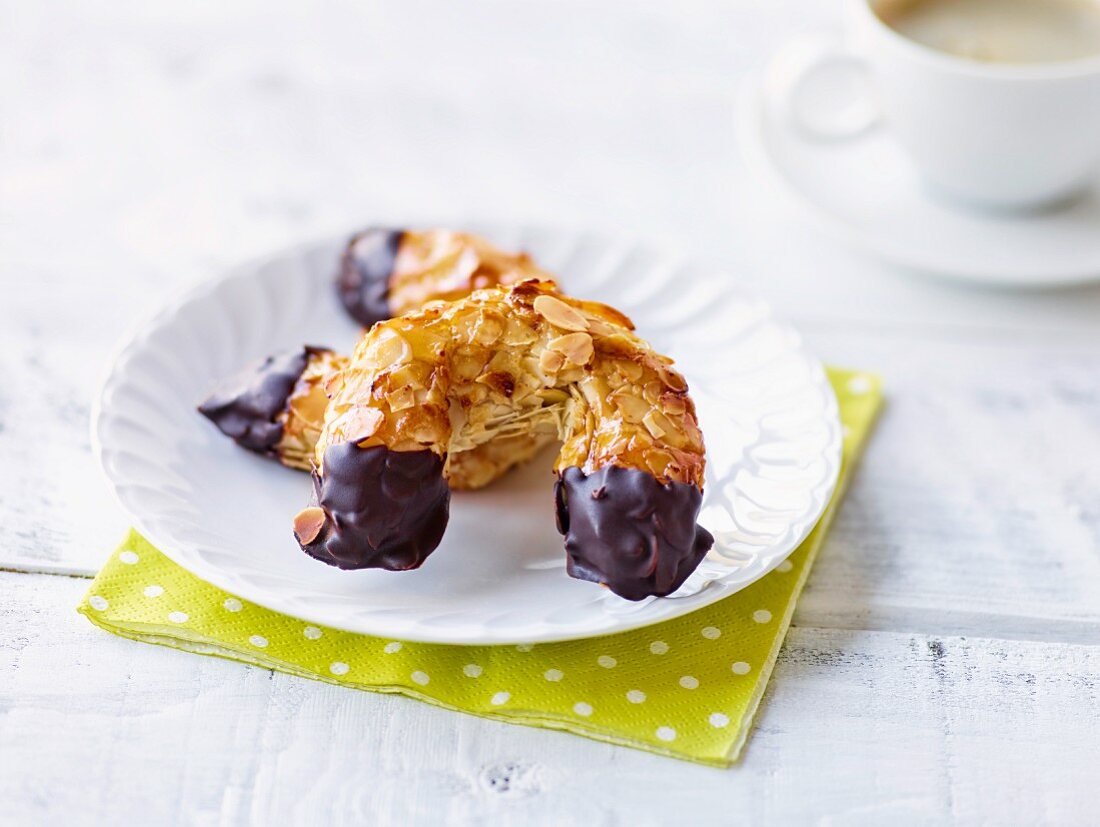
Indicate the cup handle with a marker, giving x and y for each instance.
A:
(800, 73)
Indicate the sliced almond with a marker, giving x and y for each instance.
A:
(575, 347)
(488, 329)
(658, 462)
(402, 399)
(559, 314)
(673, 404)
(674, 380)
(653, 424)
(630, 369)
(518, 332)
(652, 391)
(466, 366)
(551, 361)
(360, 423)
(412, 375)
(308, 523)
(333, 384)
(633, 407)
(388, 349)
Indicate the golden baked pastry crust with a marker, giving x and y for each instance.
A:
(516, 362)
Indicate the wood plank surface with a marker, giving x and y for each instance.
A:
(945, 660)
(859, 727)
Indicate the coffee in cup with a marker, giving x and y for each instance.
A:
(999, 31)
(997, 102)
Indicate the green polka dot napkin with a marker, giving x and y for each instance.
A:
(687, 688)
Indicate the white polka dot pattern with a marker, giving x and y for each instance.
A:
(859, 385)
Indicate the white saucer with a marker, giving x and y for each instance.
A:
(866, 191)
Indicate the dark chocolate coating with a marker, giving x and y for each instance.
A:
(365, 269)
(245, 405)
(625, 529)
(383, 509)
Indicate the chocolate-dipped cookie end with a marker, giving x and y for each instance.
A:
(626, 530)
(376, 508)
(245, 406)
(363, 282)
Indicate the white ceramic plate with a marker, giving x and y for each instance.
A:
(866, 192)
(765, 406)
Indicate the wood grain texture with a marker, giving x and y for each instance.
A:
(858, 727)
(944, 664)
(974, 511)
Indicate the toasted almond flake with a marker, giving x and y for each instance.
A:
(488, 330)
(630, 369)
(559, 314)
(389, 348)
(307, 524)
(466, 366)
(575, 347)
(333, 384)
(632, 406)
(360, 423)
(658, 462)
(550, 361)
(402, 399)
(673, 404)
(674, 380)
(652, 425)
(412, 375)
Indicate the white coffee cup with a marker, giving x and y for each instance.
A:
(1003, 135)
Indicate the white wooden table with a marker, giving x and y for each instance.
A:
(945, 663)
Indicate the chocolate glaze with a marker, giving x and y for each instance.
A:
(245, 405)
(628, 531)
(383, 509)
(365, 269)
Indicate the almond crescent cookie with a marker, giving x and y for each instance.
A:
(276, 407)
(457, 391)
(386, 272)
